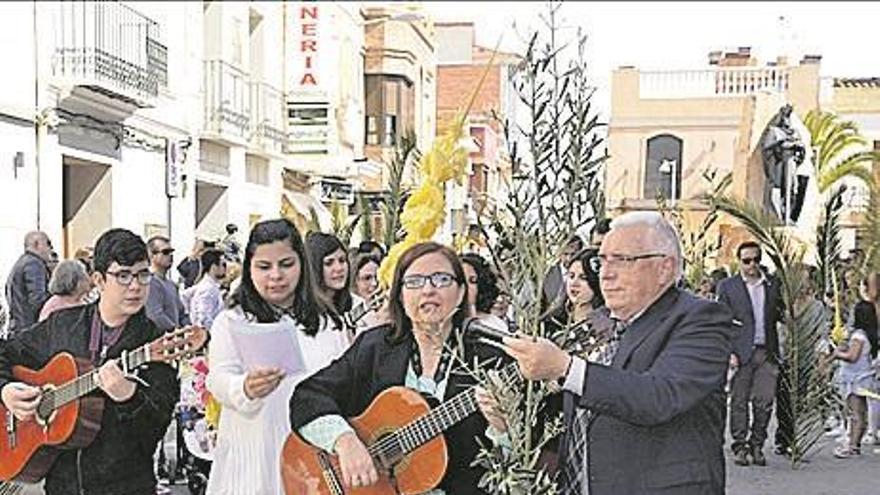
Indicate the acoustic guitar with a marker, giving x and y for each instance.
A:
(67, 417)
(402, 434)
(10, 488)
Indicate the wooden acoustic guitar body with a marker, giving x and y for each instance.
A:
(27, 448)
(305, 469)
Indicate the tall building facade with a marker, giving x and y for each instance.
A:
(460, 64)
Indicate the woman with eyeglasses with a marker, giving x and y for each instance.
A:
(420, 350)
(268, 340)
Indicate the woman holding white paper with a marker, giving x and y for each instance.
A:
(270, 339)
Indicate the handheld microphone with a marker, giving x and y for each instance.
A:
(475, 329)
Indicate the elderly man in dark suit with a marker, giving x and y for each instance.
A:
(756, 303)
(647, 416)
(27, 287)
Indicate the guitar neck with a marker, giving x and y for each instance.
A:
(87, 382)
(444, 416)
(10, 488)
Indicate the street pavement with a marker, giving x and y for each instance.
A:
(823, 474)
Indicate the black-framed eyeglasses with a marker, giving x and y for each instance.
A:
(125, 277)
(438, 279)
(611, 260)
(749, 261)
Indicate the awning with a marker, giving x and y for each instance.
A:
(304, 204)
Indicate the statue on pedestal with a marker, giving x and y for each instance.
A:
(783, 153)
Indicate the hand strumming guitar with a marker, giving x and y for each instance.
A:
(355, 461)
(21, 399)
(260, 382)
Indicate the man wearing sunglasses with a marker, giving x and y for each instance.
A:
(755, 301)
(164, 306)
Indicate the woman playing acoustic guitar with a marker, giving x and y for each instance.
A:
(428, 306)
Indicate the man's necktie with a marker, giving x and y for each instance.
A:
(573, 478)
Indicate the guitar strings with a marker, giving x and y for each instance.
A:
(423, 429)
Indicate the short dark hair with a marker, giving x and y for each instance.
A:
(152, 241)
(369, 246)
(231, 228)
(119, 245)
(575, 240)
(320, 245)
(487, 281)
(402, 325)
(306, 307)
(360, 261)
(603, 226)
(210, 258)
(748, 245)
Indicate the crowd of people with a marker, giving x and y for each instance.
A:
(303, 338)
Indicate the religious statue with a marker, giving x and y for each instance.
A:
(783, 153)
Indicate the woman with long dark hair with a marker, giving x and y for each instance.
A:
(482, 290)
(419, 349)
(268, 340)
(329, 262)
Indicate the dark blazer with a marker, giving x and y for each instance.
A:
(659, 409)
(733, 293)
(120, 459)
(372, 364)
(27, 289)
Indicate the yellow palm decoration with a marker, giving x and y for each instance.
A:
(425, 210)
(838, 334)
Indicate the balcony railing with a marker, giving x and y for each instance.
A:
(267, 116)
(227, 100)
(111, 48)
(710, 83)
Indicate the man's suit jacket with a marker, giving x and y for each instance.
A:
(733, 293)
(659, 409)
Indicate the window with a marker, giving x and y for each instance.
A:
(389, 136)
(256, 170)
(663, 167)
(372, 130)
(309, 127)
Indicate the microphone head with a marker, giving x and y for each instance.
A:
(475, 329)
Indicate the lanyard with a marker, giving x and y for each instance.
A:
(440, 373)
(99, 339)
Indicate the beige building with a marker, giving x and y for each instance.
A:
(669, 127)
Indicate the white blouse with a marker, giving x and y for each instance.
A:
(252, 432)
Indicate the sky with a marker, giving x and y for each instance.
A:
(680, 35)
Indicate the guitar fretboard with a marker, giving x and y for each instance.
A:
(440, 419)
(85, 383)
(10, 488)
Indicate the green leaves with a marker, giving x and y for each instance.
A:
(807, 372)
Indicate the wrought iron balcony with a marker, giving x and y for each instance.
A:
(227, 101)
(109, 48)
(267, 116)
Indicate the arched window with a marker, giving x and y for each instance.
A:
(663, 167)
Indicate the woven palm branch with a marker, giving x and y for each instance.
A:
(806, 371)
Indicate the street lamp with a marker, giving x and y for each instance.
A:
(668, 166)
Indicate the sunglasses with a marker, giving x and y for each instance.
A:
(166, 251)
(749, 261)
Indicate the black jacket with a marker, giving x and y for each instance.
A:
(372, 364)
(120, 459)
(27, 289)
(733, 293)
(659, 409)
